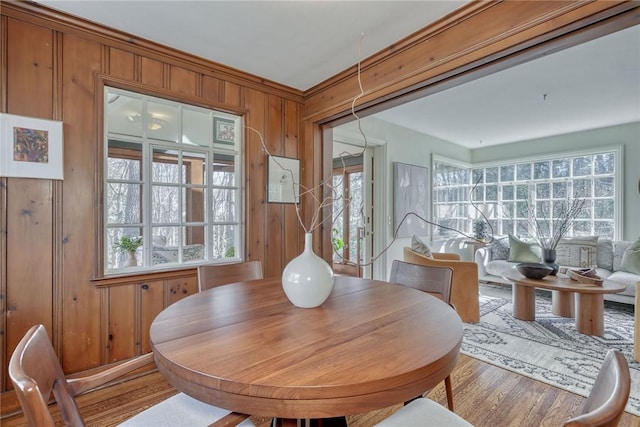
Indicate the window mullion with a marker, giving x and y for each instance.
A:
(181, 202)
(147, 156)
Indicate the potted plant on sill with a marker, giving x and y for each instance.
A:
(129, 245)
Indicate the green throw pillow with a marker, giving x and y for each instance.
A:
(631, 258)
(520, 251)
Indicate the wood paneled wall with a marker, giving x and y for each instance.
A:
(50, 64)
(52, 67)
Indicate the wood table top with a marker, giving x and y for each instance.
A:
(562, 282)
(246, 348)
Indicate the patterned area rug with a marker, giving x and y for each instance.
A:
(549, 349)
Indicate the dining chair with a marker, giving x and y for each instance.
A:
(430, 279)
(603, 408)
(609, 395)
(212, 275)
(35, 372)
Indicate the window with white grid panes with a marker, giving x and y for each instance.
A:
(501, 193)
(171, 182)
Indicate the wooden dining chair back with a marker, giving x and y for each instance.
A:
(609, 395)
(36, 373)
(430, 279)
(210, 276)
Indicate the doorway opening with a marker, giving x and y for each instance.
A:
(348, 229)
(354, 223)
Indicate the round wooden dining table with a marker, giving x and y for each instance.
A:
(246, 348)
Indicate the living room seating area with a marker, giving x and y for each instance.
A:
(618, 261)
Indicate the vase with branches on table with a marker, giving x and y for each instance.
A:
(548, 226)
(307, 279)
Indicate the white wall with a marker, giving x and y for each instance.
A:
(407, 146)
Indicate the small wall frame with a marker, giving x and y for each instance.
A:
(283, 183)
(30, 147)
(224, 131)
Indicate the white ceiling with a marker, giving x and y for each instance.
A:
(295, 43)
(589, 86)
(302, 43)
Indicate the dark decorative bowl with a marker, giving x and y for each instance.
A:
(533, 270)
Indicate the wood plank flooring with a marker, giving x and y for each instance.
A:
(485, 395)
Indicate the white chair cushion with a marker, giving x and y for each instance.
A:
(423, 412)
(180, 410)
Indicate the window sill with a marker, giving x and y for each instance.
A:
(141, 276)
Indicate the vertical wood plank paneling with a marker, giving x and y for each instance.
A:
(152, 303)
(152, 72)
(122, 313)
(105, 342)
(29, 202)
(29, 70)
(232, 94)
(4, 47)
(81, 326)
(309, 175)
(293, 231)
(57, 208)
(3, 210)
(211, 89)
(184, 81)
(255, 170)
(4, 353)
(275, 211)
(29, 257)
(274, 132)
(180, 288)
(121, 64)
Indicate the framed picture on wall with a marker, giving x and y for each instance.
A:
(410, 200)
(30, 147)
(224, 131)
(283, 180)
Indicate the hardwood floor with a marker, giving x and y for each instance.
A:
(485, 395)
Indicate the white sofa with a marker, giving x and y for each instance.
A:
(608, 258)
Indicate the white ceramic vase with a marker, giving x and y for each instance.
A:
(307, 280)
